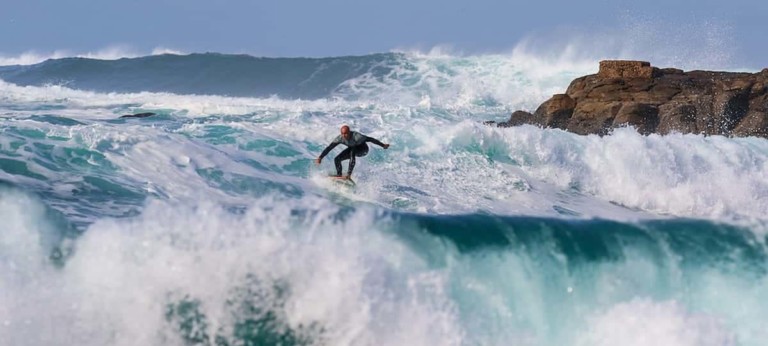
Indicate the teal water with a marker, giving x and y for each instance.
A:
(209, 224)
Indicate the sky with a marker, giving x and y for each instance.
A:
(731, 33)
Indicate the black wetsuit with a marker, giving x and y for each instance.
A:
(356, 147)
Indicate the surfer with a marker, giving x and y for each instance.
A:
(356, 147)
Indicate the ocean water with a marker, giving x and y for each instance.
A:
(209, 224)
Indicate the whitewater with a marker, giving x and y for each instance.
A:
(209, 224)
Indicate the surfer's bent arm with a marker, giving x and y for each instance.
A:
(375, 141)
(328, 149)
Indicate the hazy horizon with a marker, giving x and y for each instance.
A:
(704, 34)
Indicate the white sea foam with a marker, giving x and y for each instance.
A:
(644, 322)
(517, 80)
(358, 286)
(441, 160)
(352, 276)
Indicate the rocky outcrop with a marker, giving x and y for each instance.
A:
(610, 69)
(656, 100)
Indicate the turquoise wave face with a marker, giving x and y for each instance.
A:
(566, 281)
(305, 271)
(541, 281)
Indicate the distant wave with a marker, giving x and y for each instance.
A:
(395, 77)
(108, 53)
(217, 74)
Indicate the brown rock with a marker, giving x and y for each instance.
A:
(657, 100)
(679, 118)
(560, 102)
(593, 117)
(753, 124)
(625, 69)
(664, 90)
(576, 88)
(669, 70)
(517, 118)
(729, 108)
(555, 112)
(609, 92)
(644, 117)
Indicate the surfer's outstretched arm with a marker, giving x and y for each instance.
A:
(377, 142)
(326, 151)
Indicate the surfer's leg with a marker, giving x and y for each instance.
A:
(351, 163)
(344, 155)
(357, 151)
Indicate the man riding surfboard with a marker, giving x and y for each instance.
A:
(356, 147)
